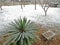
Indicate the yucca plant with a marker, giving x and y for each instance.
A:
(21, 32)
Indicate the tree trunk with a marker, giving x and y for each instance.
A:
(45, 13)
(35, 4)
(24, 3)
(21, 5)
(0, 8)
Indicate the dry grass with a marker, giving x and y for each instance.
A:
(43, 41)
(13, 3)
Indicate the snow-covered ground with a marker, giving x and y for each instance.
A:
(51, 21)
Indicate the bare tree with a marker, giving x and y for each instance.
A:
(24, 3)
(0, 7)
(45, 5)
(12, 1)
(20, 2)
(21, 5)
(35, 4)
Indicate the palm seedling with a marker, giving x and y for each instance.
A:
(21, 32)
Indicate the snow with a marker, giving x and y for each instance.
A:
(51, 21)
